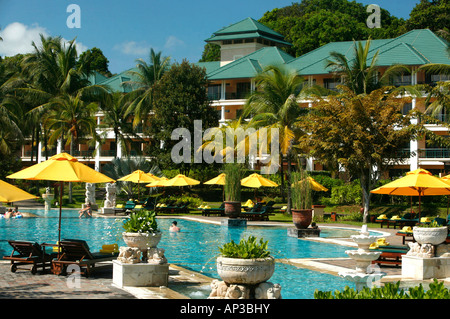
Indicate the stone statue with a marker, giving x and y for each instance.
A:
(110, 201)
(129, 255)
(268, 290)
(418, 250)
(237, 292)
(156, 256)
(90, 193)
(218, 289)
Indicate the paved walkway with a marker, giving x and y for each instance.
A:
(23, 285)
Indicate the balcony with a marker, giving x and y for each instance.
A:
(434, 153)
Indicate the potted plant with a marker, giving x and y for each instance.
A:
(141, 231)
(232, 190)
(301, 200)
(431, 233)
(248, 262)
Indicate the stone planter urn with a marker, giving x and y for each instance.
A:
(245, 271)
(143, 241)
(232, 209)
(302, 218)
(430, 235)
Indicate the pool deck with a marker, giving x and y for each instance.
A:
(23, 285)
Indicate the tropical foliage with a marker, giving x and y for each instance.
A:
(248, 248)
(437, 290)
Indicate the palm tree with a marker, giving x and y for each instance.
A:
(116, 117)
(360, 73)
(146, 76)
(72, 119)
(274, 105)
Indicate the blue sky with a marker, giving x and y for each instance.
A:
(126, 30)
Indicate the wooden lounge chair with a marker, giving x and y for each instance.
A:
(214, 211)
(76, 252)
(390, 254)
(28, 253)
(259, 212)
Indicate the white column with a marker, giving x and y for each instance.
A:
(39, 157)
(222, 114)
(59, 146)
(309, 160)
(414, 145)
(119, 149)
(97, 156)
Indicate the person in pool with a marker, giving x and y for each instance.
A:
(174, 227)
(9, 213)
(86, 212)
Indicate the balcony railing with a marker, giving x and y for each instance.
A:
(434, 153)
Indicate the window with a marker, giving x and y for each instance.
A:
(331, 84)
(214, 92)
(403, 79)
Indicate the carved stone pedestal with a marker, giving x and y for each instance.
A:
(140, 275)
(302, 233)
(264, 290)
(234, 222)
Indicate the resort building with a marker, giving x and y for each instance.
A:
(248, 46)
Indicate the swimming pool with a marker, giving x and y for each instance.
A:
(195, 247)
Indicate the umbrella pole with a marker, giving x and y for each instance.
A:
(60, 216)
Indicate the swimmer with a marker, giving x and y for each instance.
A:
(9, 213)
(174, 227)
(86, 212)
(16, 212)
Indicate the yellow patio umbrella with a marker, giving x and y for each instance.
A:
(446, 179)
(10, 193)
(419, 182)
(218, 180)
(315, 185)
(181, 180)
(62, 167)
(139, 177)
(256, 181)
(159, 183)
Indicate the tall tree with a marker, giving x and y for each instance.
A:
(179, 99)
(313, 23)
(360, 132)
(430, 14)
(116, 117)
(274, 105)
(72, 119)
(146, 76)
(94, 60)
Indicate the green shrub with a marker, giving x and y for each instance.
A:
(143, 221)
(436, 290)
(349, 193)
(246, 249)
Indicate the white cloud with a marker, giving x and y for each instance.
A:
(132, 48)
(172, 42)
(17, 38)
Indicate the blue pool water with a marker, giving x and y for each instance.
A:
(195, 247)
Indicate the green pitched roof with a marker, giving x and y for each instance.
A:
(247, 28)
(115, 83)
(416, 47)
(250, 65)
